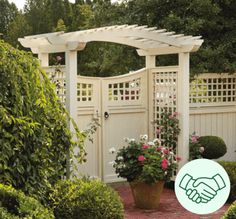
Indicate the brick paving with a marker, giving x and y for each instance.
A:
(169, 207)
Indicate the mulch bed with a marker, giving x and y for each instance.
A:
(169, 207)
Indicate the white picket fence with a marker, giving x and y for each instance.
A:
(213, 108)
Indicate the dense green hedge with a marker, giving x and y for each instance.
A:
(231, 212)
(230, 168)
(214, 147)
(34, 137)
(14, 204)
(85, 199)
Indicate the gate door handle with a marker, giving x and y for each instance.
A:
(106, 115)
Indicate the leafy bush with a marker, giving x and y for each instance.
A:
(214, 147)
(14, 204)
(195, 149)
(230, 168)
(34, 138)
(83, 198)
(231, 212)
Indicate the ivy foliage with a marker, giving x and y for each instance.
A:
(34, 138)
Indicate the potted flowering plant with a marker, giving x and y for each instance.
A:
(146, 166)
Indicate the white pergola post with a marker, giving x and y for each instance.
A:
(183, 107)
(150, 61)
(44, 59)
(71, 91)
(71, 84)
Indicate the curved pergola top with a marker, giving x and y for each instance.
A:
(149, 41)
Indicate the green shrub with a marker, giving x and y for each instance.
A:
(34, 137)
(230, 168)
(214, 147)
(85, 199)
(14, 204)
(231, 212)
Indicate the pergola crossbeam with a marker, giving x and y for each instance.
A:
(141, 37)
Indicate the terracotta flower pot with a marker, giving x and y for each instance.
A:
(147, 196)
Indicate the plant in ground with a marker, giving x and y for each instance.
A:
(231, 212)
(84, 199)
(230, 168)
(195, 149)
(168, 128)
(34, 138)
(215, 147)
(15, 205)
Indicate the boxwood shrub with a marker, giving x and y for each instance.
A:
(214, 147)
(230, 168)
(231, 212)
(14, 204)
(84, 199)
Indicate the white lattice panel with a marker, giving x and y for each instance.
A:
(57, 76)
(125, 91)
(164, 94)
(213, 89)
(84, 92)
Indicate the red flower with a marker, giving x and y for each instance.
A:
(164, 164)
(145, 146)
(141, 158)
(159, 149)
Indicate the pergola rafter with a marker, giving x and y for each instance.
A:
(140, 37)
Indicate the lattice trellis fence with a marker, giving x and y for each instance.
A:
(213, 89)
(164, 95)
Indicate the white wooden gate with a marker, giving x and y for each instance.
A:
(124, 106)
(120, 106)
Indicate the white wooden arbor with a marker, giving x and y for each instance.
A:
(135, 97)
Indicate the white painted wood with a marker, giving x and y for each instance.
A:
(165, 50)
(219, 123)
(71, 84)
(183, 107)
(150, 61)
(140, 37)
(87, 111)
(44, 59)
(127, 117)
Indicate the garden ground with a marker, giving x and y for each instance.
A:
(169, 207)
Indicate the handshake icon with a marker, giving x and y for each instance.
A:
(202, 189)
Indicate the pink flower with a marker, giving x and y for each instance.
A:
(164, 164)
(58, 58)
(173, 115)
(178, 158)
(159, 149)
(194, 138)
(145, 146)
(141, 158)
(166, 151)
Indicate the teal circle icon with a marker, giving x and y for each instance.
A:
(202, 186)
